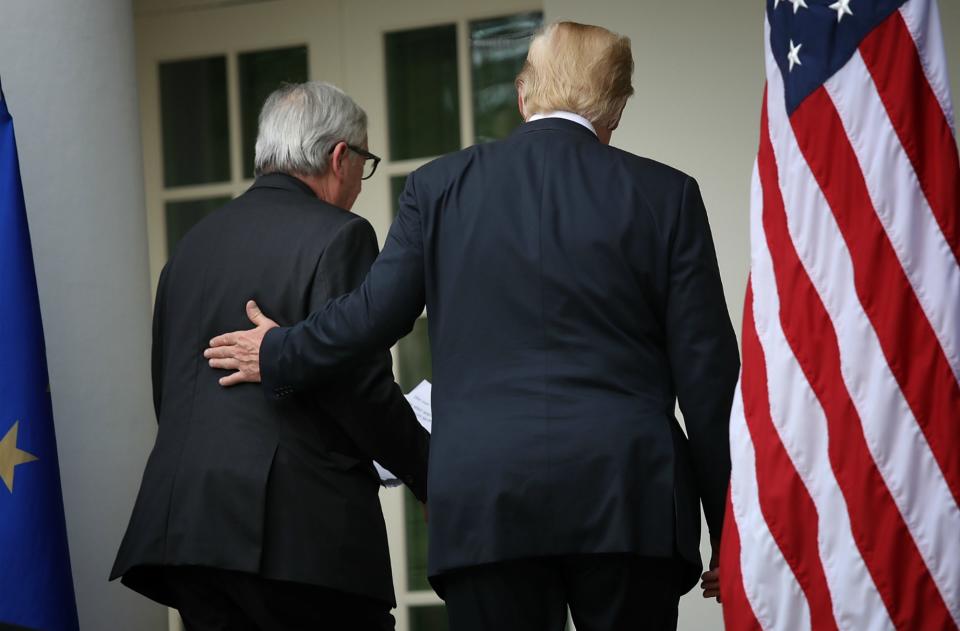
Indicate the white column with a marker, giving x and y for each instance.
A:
(68, 75)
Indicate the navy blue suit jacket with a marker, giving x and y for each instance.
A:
(573, 296)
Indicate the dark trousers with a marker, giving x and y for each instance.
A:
(220, 600)
(605, 592)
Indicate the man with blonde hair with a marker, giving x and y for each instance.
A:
(573, 297)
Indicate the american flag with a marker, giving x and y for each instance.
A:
(845, 431)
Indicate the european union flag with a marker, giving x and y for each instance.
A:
(36, 587)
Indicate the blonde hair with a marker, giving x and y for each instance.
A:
(577, 68)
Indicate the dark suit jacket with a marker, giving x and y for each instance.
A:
(283, 489)
(573, 296)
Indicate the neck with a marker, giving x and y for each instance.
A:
(319, 184)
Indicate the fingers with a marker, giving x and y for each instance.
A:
(220, 352)
(257, 317)
(227, 363)
(253, 312)
(710, 584)
(227, 339)
(233, 379)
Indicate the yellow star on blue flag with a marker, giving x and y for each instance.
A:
(10, 456)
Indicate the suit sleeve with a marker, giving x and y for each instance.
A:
(364, 399)
(372, 318)
(702, 348)
(156, 350)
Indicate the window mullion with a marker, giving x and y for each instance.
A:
(465, 78)
(233, 117)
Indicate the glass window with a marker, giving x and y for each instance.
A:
(498, 49)
(413, 354)
(261, 72)
(397, 182)
(429, 618)
(424, 101)
(416, 543)
(181, 216)
(413, 366)
(193, 111)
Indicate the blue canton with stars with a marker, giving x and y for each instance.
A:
(812, 39)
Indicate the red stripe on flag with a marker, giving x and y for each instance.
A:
(737, 613)
(881, 535)
(786, 506)
(893, 61)
(909, 343)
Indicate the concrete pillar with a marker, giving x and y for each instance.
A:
(68, 75)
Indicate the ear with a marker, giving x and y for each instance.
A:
(520, 100)
(338, 159)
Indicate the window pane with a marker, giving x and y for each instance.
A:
(181, 216)
(413, 366)
(397, 182)
(422, 92)
(416, 544)
(431, 618)
(498, 48)
(193, 113)
(413, 357)
(261, 73)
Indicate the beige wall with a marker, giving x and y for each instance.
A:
(699, 80)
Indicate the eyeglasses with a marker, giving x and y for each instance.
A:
(370, 161)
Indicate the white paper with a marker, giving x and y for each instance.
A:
(419, 400)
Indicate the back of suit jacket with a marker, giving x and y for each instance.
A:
(573, 295)
(283, 489)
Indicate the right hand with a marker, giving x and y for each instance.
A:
(240, 351)
(710, 580)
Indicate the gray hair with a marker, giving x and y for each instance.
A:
(300, 123)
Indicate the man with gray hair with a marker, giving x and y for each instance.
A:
(255, 514)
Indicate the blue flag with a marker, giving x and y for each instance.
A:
(36, 587)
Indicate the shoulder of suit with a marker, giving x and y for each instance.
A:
(651, 167)
(452, 161)
(356, 222)
(642, 167)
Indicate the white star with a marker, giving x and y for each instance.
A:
(794, 56)
(797, 4)
(842, 7)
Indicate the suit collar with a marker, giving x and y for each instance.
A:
(555, 124)
(570, 116)
(284, 182)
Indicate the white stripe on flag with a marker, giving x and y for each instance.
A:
(923, 21)
(802, 426)
(774, 594)
(901, 206)
(893, 436)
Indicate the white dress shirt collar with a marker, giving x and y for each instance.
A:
(570, 116)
